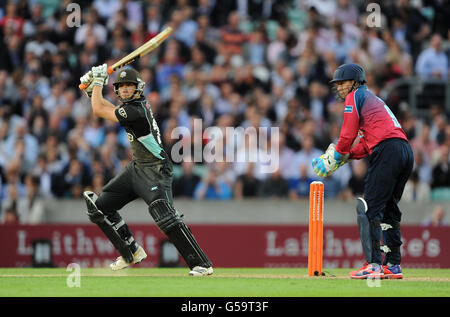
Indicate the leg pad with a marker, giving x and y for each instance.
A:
(364, 228)
(171, 223)
(118, 232)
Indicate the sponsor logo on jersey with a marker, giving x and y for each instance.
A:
(348, 109)
(122, 112)
(130, 137)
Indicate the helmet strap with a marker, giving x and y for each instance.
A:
(354, 86)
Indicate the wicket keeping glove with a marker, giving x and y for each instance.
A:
(100, 75)
(329, 162)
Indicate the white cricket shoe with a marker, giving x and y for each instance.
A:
(120, 263)
(201, 271)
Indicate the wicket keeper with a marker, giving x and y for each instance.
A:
(391, 161)
(148, 175)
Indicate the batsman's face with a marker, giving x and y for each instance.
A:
(126, 90)
(343, 87)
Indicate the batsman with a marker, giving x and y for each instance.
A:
(370, 129)
(148, 175)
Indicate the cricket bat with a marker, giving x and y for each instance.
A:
(142, 50)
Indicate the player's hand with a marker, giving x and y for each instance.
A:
(320, 168)
(335, 158)
(329, 162)
(87, 79)
(100, 75)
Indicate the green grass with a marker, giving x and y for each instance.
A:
(226, 282)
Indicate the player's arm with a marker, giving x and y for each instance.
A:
(359, 150)
(349, 130)
(100, 106)
(337, 155)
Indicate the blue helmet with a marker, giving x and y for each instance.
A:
(349, 72)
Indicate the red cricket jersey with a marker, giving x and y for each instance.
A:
(371, 117)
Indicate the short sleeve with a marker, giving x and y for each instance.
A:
(126, 113)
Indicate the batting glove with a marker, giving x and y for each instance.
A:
(86, 79)
(100, 75)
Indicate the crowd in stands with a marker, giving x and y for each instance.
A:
(239, 63)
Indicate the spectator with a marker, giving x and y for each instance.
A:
(274, 186)
(106, 8)
(441, 171)
(437, 218)
(437, 129)
(415, 190)
(31, 207)
(154, 21)
(215, 185)
(346, 12)
(14, 188)
(423, 167)
(433, 62)
(356, 183)
(256, 47)
(198, 69)
(305, 156)
(170, 65)
(12, 23)
(185, 185)
(187, 26)
(246, 185)
(91, 28)
(22, 145)
(299, 186)
(424, 143)
(232, 37)
(10, 216)
(276, 50)
(40, 45)
(341, 45)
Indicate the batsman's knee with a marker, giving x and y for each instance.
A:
(94, 215)
(165, 215)
(361, 206)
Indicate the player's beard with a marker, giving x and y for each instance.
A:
(337, 95)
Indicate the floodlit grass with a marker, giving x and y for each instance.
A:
(226, 282)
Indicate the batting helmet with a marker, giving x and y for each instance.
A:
(349, 72)
(129, 75)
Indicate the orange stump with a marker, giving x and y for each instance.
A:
(315, 244)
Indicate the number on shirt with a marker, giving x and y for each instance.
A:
(394, 119)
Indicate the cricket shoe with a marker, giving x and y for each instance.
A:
(201, 271)
(392, 272)
(120, 263)
(371, 270)
(366, 264)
